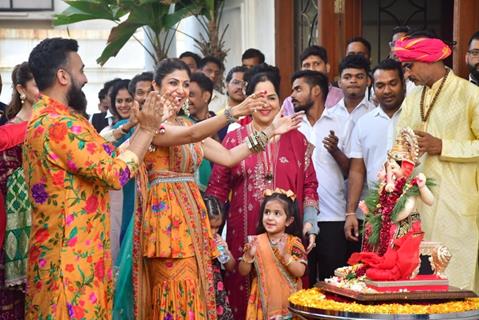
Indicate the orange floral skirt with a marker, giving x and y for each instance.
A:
(175, 289)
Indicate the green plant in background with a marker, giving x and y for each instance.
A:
(209, 13)
(158, 18)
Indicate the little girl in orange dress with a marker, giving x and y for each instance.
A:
(278, 257)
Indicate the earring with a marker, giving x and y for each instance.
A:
(22, 98)
(186, 107)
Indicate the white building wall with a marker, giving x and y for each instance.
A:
(251, 25)
(20, 32)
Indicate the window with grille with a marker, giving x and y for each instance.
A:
(26, 5)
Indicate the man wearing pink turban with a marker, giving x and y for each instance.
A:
(444, 111)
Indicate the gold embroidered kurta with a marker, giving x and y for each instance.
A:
(453, 219)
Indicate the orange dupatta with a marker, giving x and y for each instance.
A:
(275, 283)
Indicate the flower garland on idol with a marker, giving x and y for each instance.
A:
(388, 198)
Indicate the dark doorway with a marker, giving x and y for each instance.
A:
(381, 16)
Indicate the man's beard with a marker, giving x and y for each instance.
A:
(474, 70)
(76, 99)
(304, 107)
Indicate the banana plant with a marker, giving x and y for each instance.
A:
(159, 19)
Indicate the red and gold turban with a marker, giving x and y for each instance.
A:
(421, 49)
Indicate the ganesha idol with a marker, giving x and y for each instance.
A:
(392, 233)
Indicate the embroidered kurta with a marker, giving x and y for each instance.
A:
(290, 161)
(69, 169)
(176, 234)
(453, 219)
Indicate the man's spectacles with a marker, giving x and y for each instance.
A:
(239, 83)
(474, 53)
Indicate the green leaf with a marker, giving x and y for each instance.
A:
(71, 17)
(119, 35)
(73, 233)
(178, 15)
(101, 9)
(87, 10)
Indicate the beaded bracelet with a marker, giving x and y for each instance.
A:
(229, 116)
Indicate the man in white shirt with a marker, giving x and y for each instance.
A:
(323, 128)
(354, 81)
(213, 68)
(372, 137)
(235, 87)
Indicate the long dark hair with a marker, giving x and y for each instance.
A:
(290, 208)
(167, 66)
(262, 73)
(21, 75)
(119, 85)
(213, 207)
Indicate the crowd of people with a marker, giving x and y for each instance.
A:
(192, 197)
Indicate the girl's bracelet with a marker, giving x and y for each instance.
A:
(243, 258)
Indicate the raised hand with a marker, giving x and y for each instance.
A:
(151, 115)
(253, 102)
(168, 105)
(282, 125)
(132, 120)
(331, 142)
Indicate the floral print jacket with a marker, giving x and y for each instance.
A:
(69, 169)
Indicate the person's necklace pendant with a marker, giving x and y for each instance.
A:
(268, 177)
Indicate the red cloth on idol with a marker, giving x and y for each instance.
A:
(399, 261)
(421, 49)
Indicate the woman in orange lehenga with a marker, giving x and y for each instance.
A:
(172, 243)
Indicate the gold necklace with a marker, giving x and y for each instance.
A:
(277, 241)
(425, 114)
(268, 158)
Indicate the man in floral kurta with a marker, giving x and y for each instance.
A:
(69, 169)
